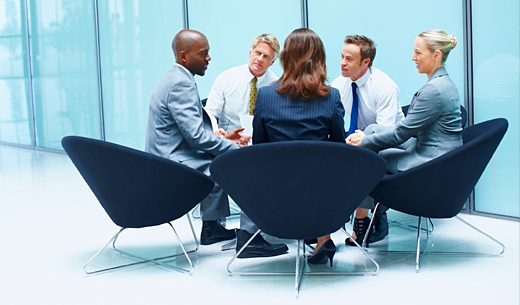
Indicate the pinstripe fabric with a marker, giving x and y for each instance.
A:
(277, 118)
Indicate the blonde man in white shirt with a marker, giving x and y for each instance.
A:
(230, 93)
(378, 103)
(234, 93)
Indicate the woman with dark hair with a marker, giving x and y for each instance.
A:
(300, 106)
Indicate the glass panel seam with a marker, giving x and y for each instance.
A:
(305, 13)
(32, 114)
(100, 80)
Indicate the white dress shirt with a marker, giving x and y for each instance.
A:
(378, 98)
(229, 95)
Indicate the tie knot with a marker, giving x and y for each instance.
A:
(354, 86)
(254, 80)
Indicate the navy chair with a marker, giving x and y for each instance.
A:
(439, 188)
(137, 190)
(298, 189)
(464, 120)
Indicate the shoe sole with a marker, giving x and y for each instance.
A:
(249, 254)
(207, 242)
(378, 239)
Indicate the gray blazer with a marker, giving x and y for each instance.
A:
(176, 129)
(433, 116)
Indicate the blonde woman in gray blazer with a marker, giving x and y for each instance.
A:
(433, 117)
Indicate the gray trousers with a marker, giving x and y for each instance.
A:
(216, 205)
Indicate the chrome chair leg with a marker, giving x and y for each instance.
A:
(364, 252)
(400, 222)
(300, 265)
(421, 253)
(142, 260)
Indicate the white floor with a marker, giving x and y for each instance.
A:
(51, 224)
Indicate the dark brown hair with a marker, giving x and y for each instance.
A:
(303, 63)
(367, 47)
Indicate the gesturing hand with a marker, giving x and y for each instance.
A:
(238, 138)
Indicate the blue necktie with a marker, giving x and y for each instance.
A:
(354, 112)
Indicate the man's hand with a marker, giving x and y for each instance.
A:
(355, 138)
(220, 132)
(238, 138)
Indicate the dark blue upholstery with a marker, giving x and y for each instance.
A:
(298, 189)
(135, 188)
(463, 114)
(439, 188)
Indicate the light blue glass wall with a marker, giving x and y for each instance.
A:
(231, 25)
(393, 26)
(135, 47)
(496, 65)
(15, 125)
(135, 51)
(64, 62)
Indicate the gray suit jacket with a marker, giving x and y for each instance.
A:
(434, 116)
(176, 129)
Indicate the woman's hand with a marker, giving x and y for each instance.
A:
(355, 138)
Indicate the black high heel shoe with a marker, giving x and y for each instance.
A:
(325, 253)
(361, 228)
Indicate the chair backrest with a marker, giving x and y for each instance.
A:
(439, 188)
(463, 114)
(136, 189)
(298, 189)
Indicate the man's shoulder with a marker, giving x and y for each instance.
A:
(236, 71)
(340, 82)
(380, 78)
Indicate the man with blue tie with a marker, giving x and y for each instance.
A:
(369, 97)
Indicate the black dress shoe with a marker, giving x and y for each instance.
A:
(258, 247)
(213, 232)
(380, 228)
(324, 254)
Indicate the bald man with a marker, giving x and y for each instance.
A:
(179, 130)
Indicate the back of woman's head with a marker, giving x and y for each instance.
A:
(439, 40)
(303, 63)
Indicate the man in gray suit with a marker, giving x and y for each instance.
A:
(180, 131)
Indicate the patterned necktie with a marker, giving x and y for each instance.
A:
(252, 95)
(354, 112)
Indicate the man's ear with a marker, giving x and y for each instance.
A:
(183, 56)
(272, 63)
(366, 61)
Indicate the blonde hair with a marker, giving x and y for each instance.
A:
(270, 40)
(439, 40)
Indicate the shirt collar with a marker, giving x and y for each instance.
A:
(363, 79)
(251, 76)
(187, 71)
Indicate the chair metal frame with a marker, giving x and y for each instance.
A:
(421, 251)
(301, 263)
(143, 260)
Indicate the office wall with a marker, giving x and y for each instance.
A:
(56, 75)
(135, 50)
(15, 125)
(64, 70)
(496, 70)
